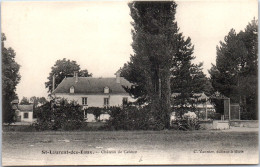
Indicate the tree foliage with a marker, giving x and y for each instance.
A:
(162, 63)
(24, 101)
(38, 101)
(235, 72)
(187, 77)
(153, 44)
(10, 79)
(132, 118)
(59, 114)
(64, 68)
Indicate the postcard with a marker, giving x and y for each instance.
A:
(129, 82)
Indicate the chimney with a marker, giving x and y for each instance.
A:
(76, 77)
(118, 75)
(53, 82)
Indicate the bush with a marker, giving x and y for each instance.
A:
(132, 118)
(44, 118)
(59, 115)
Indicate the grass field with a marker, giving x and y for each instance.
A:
(129, 147)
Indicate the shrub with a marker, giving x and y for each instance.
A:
(67, 116)
(59, 115)
(44, 118)
(132, 118)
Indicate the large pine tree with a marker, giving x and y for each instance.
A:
(187, 77)
(235, 72)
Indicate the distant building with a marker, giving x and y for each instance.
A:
(23, 113)
(94, 92)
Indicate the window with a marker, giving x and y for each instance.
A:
(125, 100)
(84, 101)
(25, 115)
(106, 90)
(72, 89)
(106, 101)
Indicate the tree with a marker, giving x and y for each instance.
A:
(187, 77)
(25, 101)
(10, 79)
(38, 101)
(64, 68)
(153, 44)
(84, 73)
(235, 72)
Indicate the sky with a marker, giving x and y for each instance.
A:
(97, 35)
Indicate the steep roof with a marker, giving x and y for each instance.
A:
(89, 85)
(23, 107)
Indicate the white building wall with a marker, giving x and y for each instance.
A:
(104, 117)
(91, 117)
(29, 119)
(97, 100)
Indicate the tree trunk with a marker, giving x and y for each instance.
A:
(165, 97)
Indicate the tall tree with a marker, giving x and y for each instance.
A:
(153, 44)
(235, 72)
(10, 79)
(64, 68)
(187, 77)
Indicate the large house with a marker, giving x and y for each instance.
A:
(94, 92)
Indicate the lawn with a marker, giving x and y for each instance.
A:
(129, 147)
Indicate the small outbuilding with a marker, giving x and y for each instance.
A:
(23, 113)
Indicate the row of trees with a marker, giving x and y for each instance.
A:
(36, 101)
(162, 64)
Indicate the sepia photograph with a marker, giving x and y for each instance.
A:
(129, 82)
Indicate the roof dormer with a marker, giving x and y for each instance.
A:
(72, 89)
